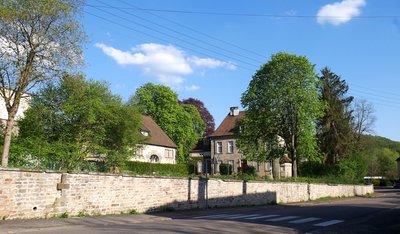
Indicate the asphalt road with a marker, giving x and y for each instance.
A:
(379, 213)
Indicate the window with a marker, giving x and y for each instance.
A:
(219, 147)
(168, 153)
(230, 147)
(144, 132)
(154, 158)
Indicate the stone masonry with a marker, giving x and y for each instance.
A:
(43, 194)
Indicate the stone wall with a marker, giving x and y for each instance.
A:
(38, 194)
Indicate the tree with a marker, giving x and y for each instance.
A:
(205, 115)
(335, 131)
(282, 100)
(364, 119)
(75, 119)
(38, 40)
(182, 123)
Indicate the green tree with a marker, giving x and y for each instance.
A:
(182, 123)
(282, 100)
(335, 129)
(38, 40)
(76, 119)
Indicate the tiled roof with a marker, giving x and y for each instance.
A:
(202, 145)
(226, 128)
(156, 135)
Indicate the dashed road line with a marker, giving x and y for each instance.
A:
(242, 216)
(284, 218)
(272, 218)
(262, 217)
(328, 223)
(306, 220)
(210, 216)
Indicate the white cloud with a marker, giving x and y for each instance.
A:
(192, 88)
(210, 63)
(165, 62)
(340, 12)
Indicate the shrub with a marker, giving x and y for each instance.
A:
(144, 168)
(353, 167)
(225, 169)
(250, 170)
(313, 169)
(385, 183)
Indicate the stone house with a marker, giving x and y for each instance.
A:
(158, 147)
(222, 149)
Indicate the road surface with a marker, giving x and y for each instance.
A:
(379, 213)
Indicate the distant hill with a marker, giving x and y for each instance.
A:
(377, 142)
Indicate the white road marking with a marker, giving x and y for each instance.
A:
(327, 223)
(210, 216)
(282, 218)
(306, 220)
(262, 217)
(242, 216)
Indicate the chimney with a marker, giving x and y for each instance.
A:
(234, 111)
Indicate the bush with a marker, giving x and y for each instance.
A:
(314, 169)
(385, 183)
(225, 169)
(144, 168)
(250, 170)
(353, 167)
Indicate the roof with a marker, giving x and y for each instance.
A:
(226, 128)
(202, 145)
(156, 135)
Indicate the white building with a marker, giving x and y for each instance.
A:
(23, 106)
(158, 147)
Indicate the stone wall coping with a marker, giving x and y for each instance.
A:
(162, 177)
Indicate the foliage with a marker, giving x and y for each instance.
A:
(353, 167)
(182, 123)
(73, 120)
(282, 100)
(225, 169)
(335, 131)
(250, 170)
(144, 168)
(380, 154)
(205, 115)
(315, 169)
(39, 40)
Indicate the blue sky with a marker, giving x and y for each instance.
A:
(209, 50)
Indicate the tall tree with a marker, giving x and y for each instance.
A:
(282, 100)
(38, 40)
(75, 119)
(182, 123)
(335, 131)
(364, 119)
(205, 115)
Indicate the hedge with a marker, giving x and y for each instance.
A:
(144, 168)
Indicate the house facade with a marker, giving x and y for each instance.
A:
(158, 147)
(23, 106)
(223, 150)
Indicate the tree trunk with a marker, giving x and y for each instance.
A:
(294, 158)
(7, 138)
(276, 168)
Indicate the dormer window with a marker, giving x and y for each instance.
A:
(144, 132)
